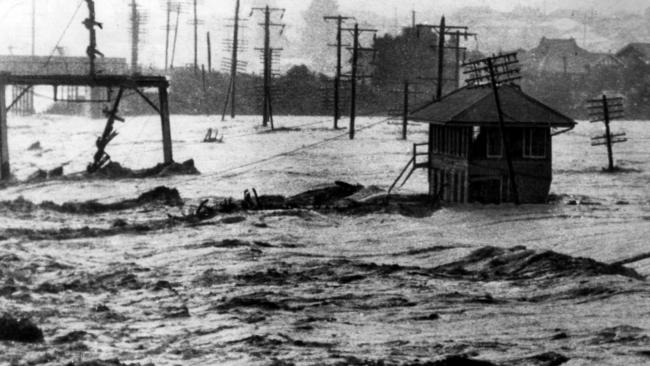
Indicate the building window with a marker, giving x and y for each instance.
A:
(535, 143)
(494, 146)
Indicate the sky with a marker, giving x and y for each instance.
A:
(53, 16)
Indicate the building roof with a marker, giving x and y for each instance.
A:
(477, 107)
(60, 65)
(559, 55)
(641, 50)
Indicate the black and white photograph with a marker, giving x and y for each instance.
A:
(324, 182)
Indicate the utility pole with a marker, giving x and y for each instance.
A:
(234, 66)
(267, 113)
(33, 27)
(356, 48)
(605, 110)
(406, 109)
(502, 128)
(337, 78)
(495, 71)
(457, 65)
(209, 52)
(234, 60)
(445, 30)
(353, 79)
(196, 38)
(441, 57)
(178, 14)
(135, 36)
(90, 23)
(167, 29)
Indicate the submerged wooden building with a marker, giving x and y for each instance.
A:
(466, 159)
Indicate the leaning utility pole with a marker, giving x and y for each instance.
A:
(605, 110)
(337, 78)
(268, 61)
(234, 65)
(495, 71)
(356, 48)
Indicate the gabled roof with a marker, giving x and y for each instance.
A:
(641, 49)
(477, 107)
(559, 55)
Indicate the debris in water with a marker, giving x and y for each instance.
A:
(71, 337)
(114, 170)
(35, 146)
(492, 263)
(161, 194)
(22, 330)
(113, 362)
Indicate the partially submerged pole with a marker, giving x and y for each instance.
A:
(234, 62)
(353, 80)
(406, 109)
(4, 140)
(502, 128)
(164, 120)
(608, 135)
(267, 67)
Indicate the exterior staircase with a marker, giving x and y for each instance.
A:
(416, 162)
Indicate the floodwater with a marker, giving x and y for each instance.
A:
(527, 285)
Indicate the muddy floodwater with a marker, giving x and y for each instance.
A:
(106, 274)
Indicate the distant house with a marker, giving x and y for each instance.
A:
(466, 161)
(564, 56)
(635, 54)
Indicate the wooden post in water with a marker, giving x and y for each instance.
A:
(166, 130)
(266, 115)
(353, 80)
(608, 135)
(4, 139)
(406, 109)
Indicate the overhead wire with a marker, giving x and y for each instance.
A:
(49, 58)
(293, 151)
